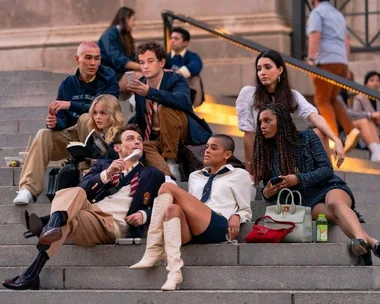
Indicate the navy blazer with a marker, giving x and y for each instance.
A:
(191, 60)
(112, 50)
(150, 182)
(174, 93)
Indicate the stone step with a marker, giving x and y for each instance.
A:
(210, 278)
(189, 296)
(21, 100)
(16, 113)
(11, 233)
(15, 140)
(193, 255)
(21, 126)
(8, 193)
(11, 176)
(9, 152)
(30, 76)
(29, 88)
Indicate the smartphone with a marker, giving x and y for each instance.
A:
(276, 180)
(131, 76)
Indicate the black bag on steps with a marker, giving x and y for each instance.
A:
(62, 178)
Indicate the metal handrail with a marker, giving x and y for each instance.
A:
(169, 16)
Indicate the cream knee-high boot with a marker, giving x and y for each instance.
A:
(172, 238)
(154, 251)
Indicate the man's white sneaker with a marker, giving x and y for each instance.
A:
(352, 139)
(24, 197)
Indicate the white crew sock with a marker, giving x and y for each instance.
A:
(375, 151)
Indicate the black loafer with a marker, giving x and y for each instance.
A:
(48, 236)
(35, 224)
(358, 247)
(376, 249)
(25, 218)
(367, 258)
(20, 283)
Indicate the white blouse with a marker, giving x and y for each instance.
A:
(247, 114)
(230, 192)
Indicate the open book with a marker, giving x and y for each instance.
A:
(93, 147)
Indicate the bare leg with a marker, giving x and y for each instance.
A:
(368, 130)
(197, 214)
(322, 208)
(339, 202)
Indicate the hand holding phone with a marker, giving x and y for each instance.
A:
(276, 180)
(131, 76)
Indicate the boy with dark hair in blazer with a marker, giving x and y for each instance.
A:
(163, 111)
(121, 193)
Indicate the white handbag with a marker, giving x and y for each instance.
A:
(290, 212)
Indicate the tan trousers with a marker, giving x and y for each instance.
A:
(173, 130)
(325, 99)
(87, 225)
(49, 145)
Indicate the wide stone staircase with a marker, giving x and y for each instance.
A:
(221, 273)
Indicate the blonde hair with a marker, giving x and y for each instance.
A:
(112, 108)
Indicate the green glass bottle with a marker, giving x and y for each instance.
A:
(322, 228)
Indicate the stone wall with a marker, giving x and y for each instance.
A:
(44, 34)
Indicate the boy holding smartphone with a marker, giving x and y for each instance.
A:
(163, 111)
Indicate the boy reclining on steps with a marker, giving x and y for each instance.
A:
(122, 192)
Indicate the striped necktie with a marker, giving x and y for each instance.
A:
(134, 184)
(116, 178)
(148, 119)
(207, 188)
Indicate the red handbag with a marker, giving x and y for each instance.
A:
(262, 234)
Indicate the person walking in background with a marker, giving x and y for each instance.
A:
(117, 46)
(328, 50)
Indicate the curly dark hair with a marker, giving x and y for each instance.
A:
(122, 15)
(154, 47)
(283, 93)
(286, 142)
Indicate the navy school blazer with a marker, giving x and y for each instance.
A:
(174, 93)
(150, 182)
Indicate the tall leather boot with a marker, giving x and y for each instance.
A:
(154, 251)
(172, 238)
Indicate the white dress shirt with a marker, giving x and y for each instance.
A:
(230, 192)
(247, 114)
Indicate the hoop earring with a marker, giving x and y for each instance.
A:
(278, 78)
